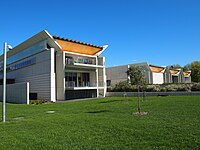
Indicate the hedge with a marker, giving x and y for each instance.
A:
(124, 86)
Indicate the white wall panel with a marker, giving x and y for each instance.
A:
(158, 78)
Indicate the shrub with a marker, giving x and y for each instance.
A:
(163, 89)
(183, 87)
(171, 88)
(38, 101)
(153, 88)
(124, 86)
(195, 87)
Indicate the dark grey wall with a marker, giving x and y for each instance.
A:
(16, 93)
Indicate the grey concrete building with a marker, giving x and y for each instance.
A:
(177, 76)
(57, 68)
(153, 74)
(187, 77)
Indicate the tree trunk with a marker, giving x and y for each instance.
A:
(144, 95)
(139, 100)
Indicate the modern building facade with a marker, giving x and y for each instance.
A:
(177, 76)
(57, 68)
(187, 77)
(152, 73)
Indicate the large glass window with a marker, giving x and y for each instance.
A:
(74, 79)
(174, 79)
(83, 79)
(71, 79)
(19, 65)
(27, 52)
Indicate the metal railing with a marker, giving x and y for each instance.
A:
(72, 60)
(72, 84)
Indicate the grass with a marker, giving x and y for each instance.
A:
(171, 123)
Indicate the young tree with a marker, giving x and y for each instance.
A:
(137, 78)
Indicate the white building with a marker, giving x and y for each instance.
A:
(57, 68)
(157, 73)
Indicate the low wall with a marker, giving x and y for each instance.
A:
(16, 93)
(109, 94)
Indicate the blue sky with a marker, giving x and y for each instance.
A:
(161, 32)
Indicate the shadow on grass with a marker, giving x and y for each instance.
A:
(109, 101)
(97, 111)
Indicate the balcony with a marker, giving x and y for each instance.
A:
(71, 60)
(82, 62)
(80, 85)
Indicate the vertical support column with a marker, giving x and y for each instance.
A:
(97, 77)
(150, 78)
(52, 75)
(170, 78)
(164, 77)
(104, 78)
(60, 75)
(180, 77)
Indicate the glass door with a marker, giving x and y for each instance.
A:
(83, 79)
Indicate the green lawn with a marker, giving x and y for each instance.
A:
(171, 123)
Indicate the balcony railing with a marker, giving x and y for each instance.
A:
(72, 84)
(85, 61)
(72, 60)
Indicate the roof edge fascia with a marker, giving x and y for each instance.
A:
(79, 54)
(103, 49)
(51, 37)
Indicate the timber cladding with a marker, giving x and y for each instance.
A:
(156, 69)
(78, 48)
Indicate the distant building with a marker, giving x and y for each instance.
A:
(157, 74)
(187, 77)
(177, 76)
(116, 74)
(173, 75)
(153, 74)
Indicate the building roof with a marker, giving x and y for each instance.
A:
(58, 43)
(156, 69)
(175, 71)
(77, 46)
(43, 35)
(75, 41)
(187, 73)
